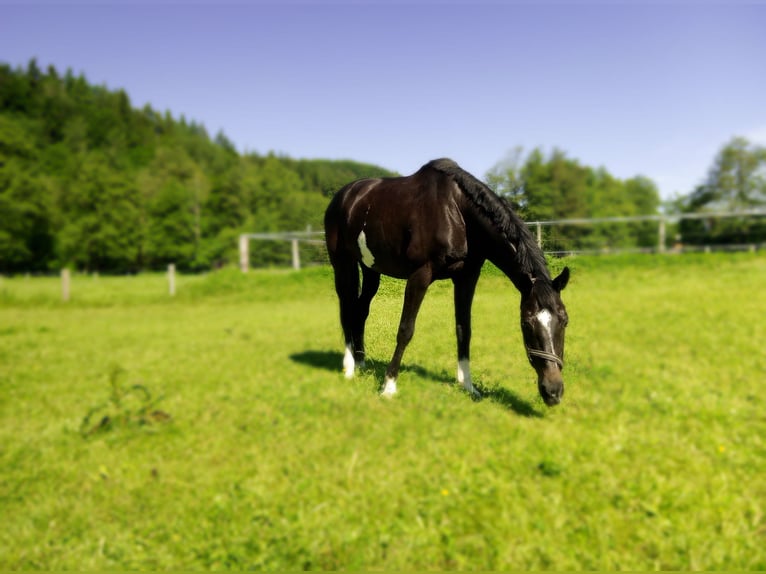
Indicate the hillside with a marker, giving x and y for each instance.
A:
(89, 181)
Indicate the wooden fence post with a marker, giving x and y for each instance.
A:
(65, 284)
(172, 279)
(296, 255)
(539, 235)
(661, 236)
(244, 253)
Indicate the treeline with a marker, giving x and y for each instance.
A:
(552, 187)
(88, 181)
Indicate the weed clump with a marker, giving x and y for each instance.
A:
(127, 406)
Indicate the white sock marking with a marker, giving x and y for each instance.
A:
(367, 257)
(464, 377)
(389, 389)
(348, 363)
(464, 374)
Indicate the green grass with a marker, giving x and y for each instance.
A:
(271, 459)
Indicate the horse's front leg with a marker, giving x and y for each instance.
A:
(417, 285)
(465, 287)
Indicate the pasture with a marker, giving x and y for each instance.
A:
(215, 429)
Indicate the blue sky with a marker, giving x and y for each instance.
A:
(639, 88)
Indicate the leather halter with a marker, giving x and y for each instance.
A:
(545, 355)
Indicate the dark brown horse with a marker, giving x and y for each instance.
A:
(441, 223)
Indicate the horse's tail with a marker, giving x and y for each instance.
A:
(336, 218)
(333, 216)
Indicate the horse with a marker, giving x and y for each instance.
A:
(436, 224)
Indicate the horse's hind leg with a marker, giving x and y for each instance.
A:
(370, 284)
(347, 288)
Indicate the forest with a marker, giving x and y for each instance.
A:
(90, 182)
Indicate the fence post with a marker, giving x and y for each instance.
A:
(244, 253)
(539, 235)
(296, 255)
(172, 279)
(65, 281)
(661, 236)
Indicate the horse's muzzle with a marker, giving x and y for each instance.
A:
(551, 390)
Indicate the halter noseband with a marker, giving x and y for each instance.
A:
(545, 355)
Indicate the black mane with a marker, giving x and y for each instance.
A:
(498, 213)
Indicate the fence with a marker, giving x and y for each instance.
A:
(637, 234)
(66, 282)
(294, 238)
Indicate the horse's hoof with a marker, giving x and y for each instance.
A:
(389, 389)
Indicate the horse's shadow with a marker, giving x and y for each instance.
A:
(327, 360)
(511, 401)
(332, 361)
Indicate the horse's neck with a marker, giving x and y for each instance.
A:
(505, 257)
(506, 262)
(502, 253)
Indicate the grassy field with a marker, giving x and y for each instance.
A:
(215, 429)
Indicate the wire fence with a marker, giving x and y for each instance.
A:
(677, 233)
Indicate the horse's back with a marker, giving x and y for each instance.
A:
(395, 225)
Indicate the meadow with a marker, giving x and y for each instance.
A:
(215, 430)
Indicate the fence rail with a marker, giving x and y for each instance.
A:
(316, 238)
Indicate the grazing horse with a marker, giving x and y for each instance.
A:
(441, 223)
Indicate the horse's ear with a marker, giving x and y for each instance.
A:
(561, 281)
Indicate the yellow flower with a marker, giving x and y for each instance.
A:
(445, 492)
(721, 448)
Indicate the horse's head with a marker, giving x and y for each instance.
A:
(543, 322)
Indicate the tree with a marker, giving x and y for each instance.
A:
(736, 182)
(225, 213)
(506, 180)
(173, 192)
(642, 193)
(26, 240)
(553, 187)
(26, 237)
(270, 184)
(170, 235)
(101, 229)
